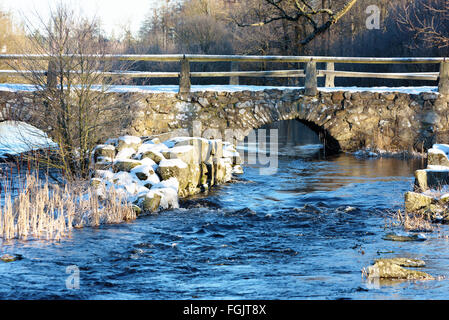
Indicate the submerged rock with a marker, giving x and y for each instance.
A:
(199, 203)
(245, 212)
(10, 258)
(395, 237)
(308, 208)
(393, 269)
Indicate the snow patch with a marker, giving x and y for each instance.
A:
(17, 137)
(173, 163)
(125, 154)
(130, 139)
(146, 147)
(440, 149)
(172, 183)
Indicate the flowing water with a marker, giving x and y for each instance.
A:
(305, 232)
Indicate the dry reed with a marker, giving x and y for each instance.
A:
(41, 210)
(413, 222)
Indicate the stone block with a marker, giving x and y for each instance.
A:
(417, 201)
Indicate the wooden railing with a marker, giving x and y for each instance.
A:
(310, 73)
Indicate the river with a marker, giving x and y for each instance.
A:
(305, 232)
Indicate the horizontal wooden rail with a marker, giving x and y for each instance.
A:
(431, 76)
(238, 58)
(140, 74)
(311, 73)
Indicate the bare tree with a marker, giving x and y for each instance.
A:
(202, 34)
(311, 13)
(75, 108)
(427, 20)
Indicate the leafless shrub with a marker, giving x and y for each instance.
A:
(75, 106)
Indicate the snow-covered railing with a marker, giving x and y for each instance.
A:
(310, 73)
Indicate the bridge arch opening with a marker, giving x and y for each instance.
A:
(295, 137)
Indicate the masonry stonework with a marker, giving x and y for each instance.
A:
(346, 121)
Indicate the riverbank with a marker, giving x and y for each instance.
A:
(430, 196)
(131, 177)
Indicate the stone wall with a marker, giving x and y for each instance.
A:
(347, 121)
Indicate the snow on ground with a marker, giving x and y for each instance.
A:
(409, 90)
(231, 88)
(17, 87)
(17, 137)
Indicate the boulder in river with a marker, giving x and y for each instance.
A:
(10, 258)
(405, 262)
(431, 179)
(174, 168)
(151, 202)
(401, 238)
(417, 201)
(393, 269)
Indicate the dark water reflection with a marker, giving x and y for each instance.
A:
(304, 233)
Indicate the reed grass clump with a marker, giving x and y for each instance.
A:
(413, 221)
(40, 210)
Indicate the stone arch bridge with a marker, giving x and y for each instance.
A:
(345, 120)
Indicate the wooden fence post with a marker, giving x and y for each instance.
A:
(330, 78)
(184, 77)
(311, 79)
(443, 85)
(234, 80)
(52, 74)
